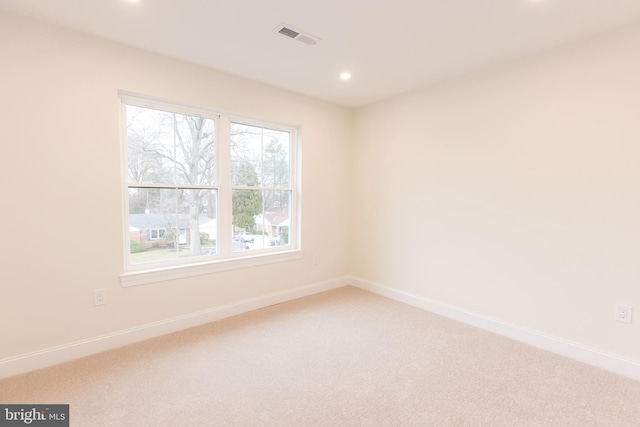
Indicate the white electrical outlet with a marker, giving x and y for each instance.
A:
(99, 296)
(316, 259)
(623, 313)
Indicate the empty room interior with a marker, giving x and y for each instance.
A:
(330, 213)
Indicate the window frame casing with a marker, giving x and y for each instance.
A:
(224, 259)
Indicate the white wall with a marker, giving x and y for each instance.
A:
(513, 193)
(61, 212)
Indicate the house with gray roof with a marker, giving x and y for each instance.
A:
(151, 229)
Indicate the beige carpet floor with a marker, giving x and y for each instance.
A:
(341, 358)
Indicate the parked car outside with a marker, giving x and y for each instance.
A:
(244, 236)
(261, 242)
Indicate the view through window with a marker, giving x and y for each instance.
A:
(180, 210)
(260, 170)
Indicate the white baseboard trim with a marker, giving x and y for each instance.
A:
(591, 356)
(75, 350)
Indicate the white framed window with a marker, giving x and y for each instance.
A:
(204, 191)
(155, 233)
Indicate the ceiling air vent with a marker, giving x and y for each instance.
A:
(288, 31)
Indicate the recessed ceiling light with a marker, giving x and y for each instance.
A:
(345, 76)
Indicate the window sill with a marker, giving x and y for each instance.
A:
(178, 272)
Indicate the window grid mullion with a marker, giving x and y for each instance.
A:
(174, 186)
(237, 187)
(225, 228)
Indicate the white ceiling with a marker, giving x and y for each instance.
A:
(390, 46)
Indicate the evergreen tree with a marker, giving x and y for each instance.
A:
(246, 203)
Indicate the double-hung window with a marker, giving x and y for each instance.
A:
(204, 191)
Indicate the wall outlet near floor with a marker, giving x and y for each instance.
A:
(99, 296)
(316, 259)
(623, 313)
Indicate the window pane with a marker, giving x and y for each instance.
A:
(246, 205)
(152, 217)
(276, 159)
(262, 219)
(197, 213)
(168, 224)
(195, 150)
(170, 148)
(150, 145)
(259, 156)
(275, 221)
(246, 154)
